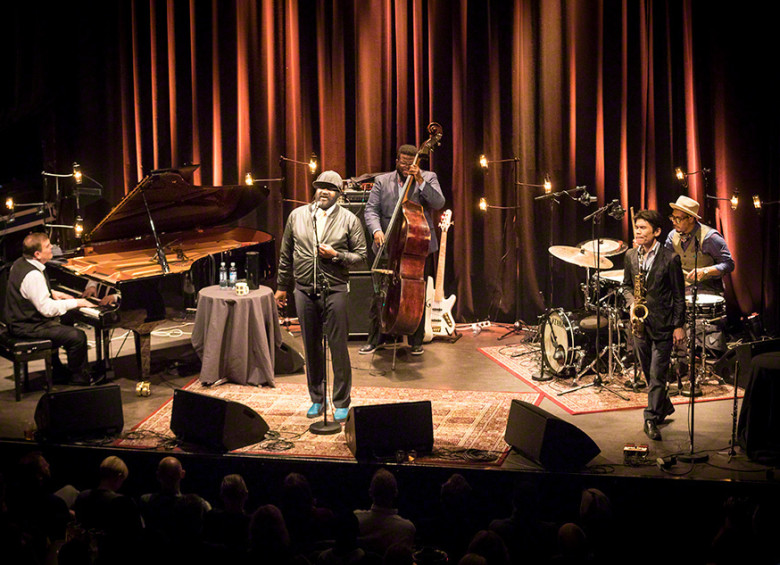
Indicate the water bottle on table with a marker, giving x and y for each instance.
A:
(223, 276)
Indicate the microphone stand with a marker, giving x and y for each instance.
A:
(323, 427)
(595, 218)
(692, 456)
(161, 259)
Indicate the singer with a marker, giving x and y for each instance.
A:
(321, 241)
(664, 325)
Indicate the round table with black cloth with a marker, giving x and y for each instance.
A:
(759, 419)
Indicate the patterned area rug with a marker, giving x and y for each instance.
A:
(523, 361)
(467, 425)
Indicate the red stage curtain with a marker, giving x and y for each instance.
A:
(612, 94)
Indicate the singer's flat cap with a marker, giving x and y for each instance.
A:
(330, 180)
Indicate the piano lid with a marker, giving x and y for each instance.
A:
(176, 205)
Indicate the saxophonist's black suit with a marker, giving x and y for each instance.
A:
(665, 301)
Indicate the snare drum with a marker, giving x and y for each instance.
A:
(565, 344)
(609, 294)
(707, 305)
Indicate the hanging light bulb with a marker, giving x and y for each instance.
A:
(9, 203)
(547, 184)
(248, 179)
(77, 176)
(483, 162)
(313, 163)
(78, 226)
(756, 201)
(735, 199)
(483, 205)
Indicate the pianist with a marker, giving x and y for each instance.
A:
(32, 309)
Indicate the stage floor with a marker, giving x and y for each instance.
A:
(444, 365)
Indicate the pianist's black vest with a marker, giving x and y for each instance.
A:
(20, 314)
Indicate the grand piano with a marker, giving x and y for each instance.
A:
(155, 250)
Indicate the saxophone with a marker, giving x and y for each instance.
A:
(639, 309)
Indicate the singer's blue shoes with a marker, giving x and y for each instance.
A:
(340, 414)
(315, 410)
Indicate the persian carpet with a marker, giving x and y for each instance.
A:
(523, 362)
(464, 422)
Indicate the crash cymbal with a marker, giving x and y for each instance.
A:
(579, 257)
(607, 247)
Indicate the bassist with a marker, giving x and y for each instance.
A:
(381, 204)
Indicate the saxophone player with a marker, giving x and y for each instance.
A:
(663, 321)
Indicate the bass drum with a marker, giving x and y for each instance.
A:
(566, 344)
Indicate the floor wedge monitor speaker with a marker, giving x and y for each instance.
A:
(546, 439)
(381, 430)
(80, 413)
(214, 423)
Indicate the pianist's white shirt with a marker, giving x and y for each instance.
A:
(34, 289)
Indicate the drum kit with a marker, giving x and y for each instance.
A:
(569, 338)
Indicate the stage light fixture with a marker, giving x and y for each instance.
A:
(78, 178)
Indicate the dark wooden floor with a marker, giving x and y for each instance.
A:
(458, 366)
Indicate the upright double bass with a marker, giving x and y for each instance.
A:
(398, 271)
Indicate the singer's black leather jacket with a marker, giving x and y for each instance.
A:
(343, 231)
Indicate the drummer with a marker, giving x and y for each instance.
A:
(714, 258)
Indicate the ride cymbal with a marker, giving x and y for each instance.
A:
(579, 257)
(607, 247)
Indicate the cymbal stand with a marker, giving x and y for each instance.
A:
(614, 209)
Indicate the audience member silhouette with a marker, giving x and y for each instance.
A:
(472, 559)
(345, 550)
(456, 519)
(765, 525)
(112, 517)
(489, 545)
(733, 543)
(39, 514)
(381, 526)
(159, 510)
(96, 508)
(269, 540)
(598, 524)
(308, 524)
(528, 538)
(573, 547)
(399, 554)
(228, 526)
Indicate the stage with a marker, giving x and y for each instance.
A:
(696, 491)
(459, 366)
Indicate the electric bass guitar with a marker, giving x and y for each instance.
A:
(438, 310)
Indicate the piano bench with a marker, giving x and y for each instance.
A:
(21, 350)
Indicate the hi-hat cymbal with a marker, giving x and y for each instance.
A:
(607, 247)
(614, 276)
(579, 257)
